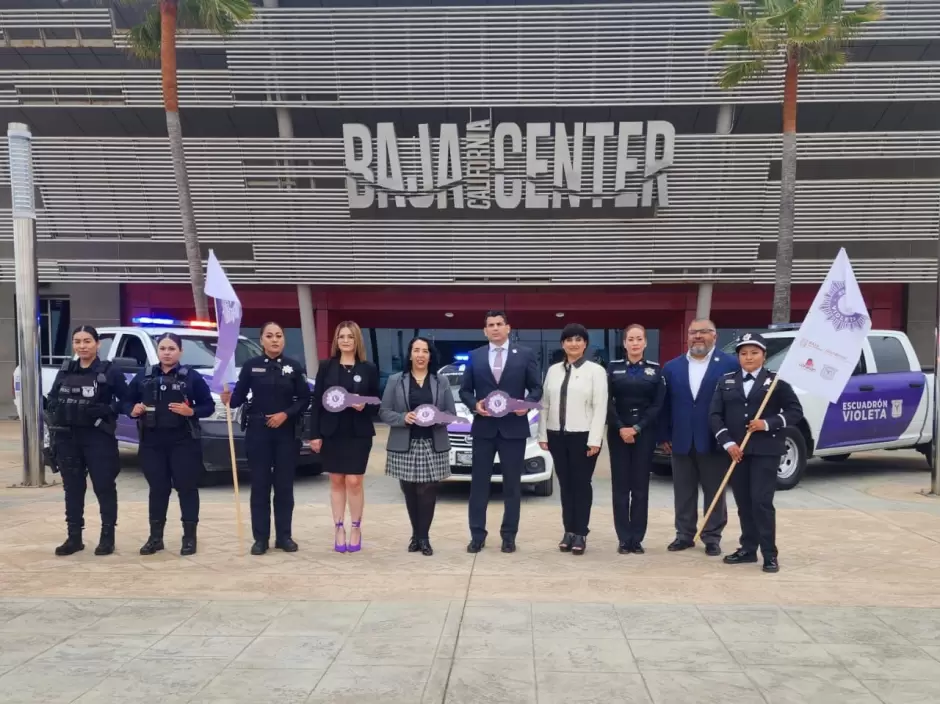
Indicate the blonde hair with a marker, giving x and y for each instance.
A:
(356, 331)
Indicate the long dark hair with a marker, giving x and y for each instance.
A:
(434, 363)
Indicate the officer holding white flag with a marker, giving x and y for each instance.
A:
(738, 410)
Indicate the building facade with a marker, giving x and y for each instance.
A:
(412, 164)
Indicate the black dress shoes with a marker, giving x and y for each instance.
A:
(578, 545)
(476, 545)
(637, 549)
(424, 545)
(565, 543)
(677, 545)
(413, 545)
(286, 544)
(712, 549)
(771, 565)
(740, 557)
(260, 547)
(509, 545)
(625, 548)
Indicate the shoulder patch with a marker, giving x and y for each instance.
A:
(652, 363)
(730, 373)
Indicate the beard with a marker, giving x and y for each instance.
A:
(698, 350)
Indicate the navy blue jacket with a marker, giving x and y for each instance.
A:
(201, 399)
(520, 375)
(686, 420)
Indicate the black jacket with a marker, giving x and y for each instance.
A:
(325, 424)
(731, 411)
(636, 395)
(520, 379)
(276, 385)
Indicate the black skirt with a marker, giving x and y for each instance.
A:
(345, 455)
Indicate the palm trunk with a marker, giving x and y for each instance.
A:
(168, 9)
(784, 265)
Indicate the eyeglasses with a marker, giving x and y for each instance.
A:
(702, 331)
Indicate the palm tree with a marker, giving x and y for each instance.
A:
(810, 35)
(155, 38)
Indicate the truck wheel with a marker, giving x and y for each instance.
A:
(793, 462)
(838, 458)
(545, 488)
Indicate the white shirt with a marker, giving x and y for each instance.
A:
(697, 370)
(585, 401)
(505, 348)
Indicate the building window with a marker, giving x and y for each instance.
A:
(54, 321)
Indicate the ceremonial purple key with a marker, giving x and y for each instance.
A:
(499, 404)
(427, 415)
(336, 399)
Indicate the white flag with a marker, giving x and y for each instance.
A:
(228, 316)
(829, 342)
(217, 284)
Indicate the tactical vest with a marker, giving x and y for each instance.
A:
(158, 392)
(79, 394)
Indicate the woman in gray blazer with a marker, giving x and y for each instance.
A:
(419, 457)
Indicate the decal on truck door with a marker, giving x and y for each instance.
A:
(874, 408)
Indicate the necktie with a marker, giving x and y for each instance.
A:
(748, 377)
(498, 364)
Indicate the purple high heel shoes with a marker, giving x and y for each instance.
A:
(358, 546)
(339, 547)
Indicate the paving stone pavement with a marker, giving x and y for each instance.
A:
(852, 617)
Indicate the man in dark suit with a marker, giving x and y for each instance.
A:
(696, 459)
(505, 367)
(734, 409)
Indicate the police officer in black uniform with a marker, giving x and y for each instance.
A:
(168, 400)
(82, 410)
(273, 422)
(734, 408)
(637, 391)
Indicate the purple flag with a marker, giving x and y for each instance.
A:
(228, 315)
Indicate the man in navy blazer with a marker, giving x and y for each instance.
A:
(696, 458)
(501, 366)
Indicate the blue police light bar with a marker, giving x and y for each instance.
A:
(461, 357)
(146, 320)
(784, 326)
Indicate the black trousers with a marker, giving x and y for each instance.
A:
(172, 460)
(753, 483)
(630, 466)
(688, 472)
(88, 452)
(272, 458)
(420, 498)
(574, 470)
(511, 456)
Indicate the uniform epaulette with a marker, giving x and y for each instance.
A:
(616, 361)
(730, 373)
(650, 361)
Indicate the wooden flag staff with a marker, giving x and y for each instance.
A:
(724, 482)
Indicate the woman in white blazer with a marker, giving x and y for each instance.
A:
(571, 427)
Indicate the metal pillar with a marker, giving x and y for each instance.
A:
(19, 141)
(935, 445)
(308, 328)
(703, 308)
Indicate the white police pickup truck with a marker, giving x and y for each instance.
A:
(132, 349)
(887, 405)
(538, 470)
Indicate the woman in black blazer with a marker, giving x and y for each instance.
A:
(344, 439)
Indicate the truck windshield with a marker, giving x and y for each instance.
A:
(199, 351)
(776, 350)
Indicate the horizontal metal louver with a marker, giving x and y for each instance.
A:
(287, 199)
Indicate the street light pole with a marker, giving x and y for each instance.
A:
(19, 140)
(935, 443)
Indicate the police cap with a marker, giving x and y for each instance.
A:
(750, 338)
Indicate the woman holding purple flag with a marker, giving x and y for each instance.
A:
(279, 398)
(342, 433)
(417, 405)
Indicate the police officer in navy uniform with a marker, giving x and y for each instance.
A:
(637, 391)
(168, 400)
(734, 408)
(273, 422)
(82, 410)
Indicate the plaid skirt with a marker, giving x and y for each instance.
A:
(420, 464)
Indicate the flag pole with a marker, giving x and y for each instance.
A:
(231, 448)
(724, 482)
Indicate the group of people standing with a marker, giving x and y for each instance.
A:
(699, 406)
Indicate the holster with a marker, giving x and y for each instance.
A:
(243, 423)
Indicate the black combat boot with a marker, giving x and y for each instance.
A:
(155, 541)
(73, 543)
(106, 541)
(189, 538)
